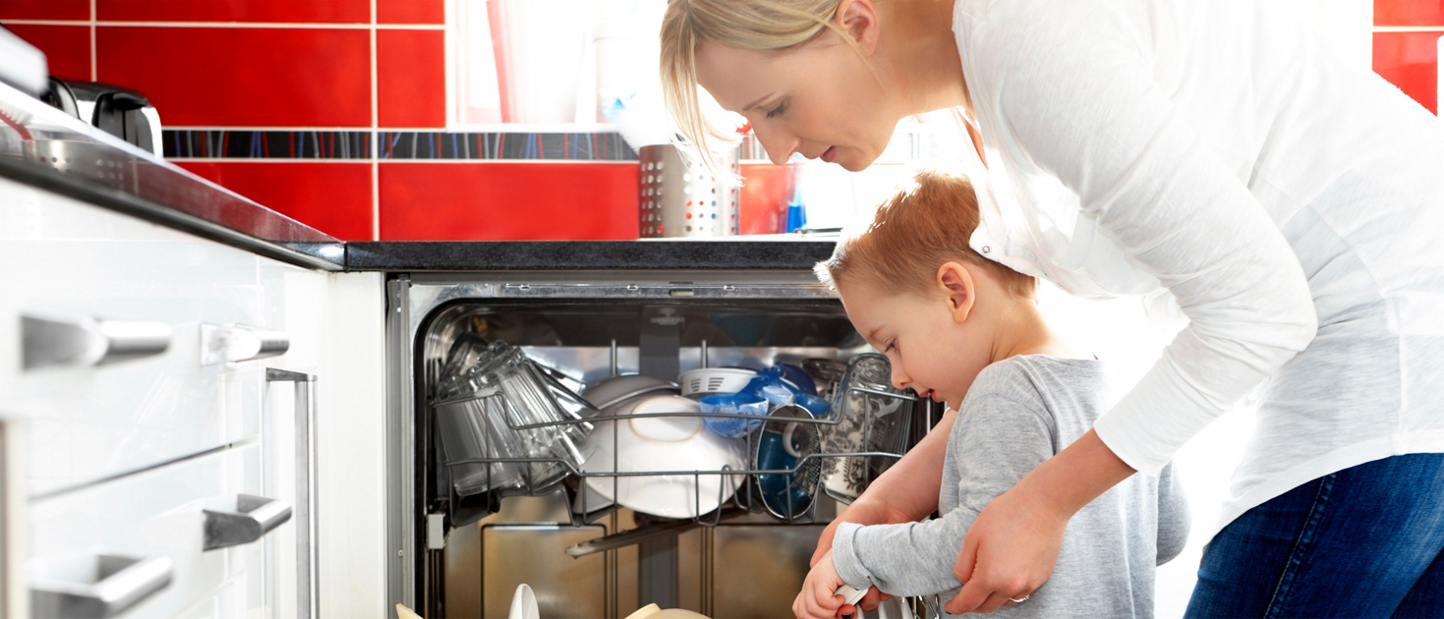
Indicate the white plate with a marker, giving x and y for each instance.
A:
(663, 444)
(613, 390)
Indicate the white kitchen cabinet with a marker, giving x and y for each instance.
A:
(71, 262)
(122, 456)
(156, 514)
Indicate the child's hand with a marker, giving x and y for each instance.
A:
(818, 599)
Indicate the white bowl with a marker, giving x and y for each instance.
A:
(703, 381)
(615, 389)
(674, 445)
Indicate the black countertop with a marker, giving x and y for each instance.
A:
(742, 253)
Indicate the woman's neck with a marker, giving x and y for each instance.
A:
(922, 54)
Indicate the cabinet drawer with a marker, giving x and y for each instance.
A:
(155, 514)
(84, 264)
(93, 423)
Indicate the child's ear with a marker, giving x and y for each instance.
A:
(956, 284)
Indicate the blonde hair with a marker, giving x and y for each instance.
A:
(745, 24)
(916, 231)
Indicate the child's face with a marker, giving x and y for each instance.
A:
(934, 348)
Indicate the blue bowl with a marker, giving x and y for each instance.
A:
(799, 377)
(815, 405)
(733, 403)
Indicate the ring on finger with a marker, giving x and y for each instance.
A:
(1020, 600)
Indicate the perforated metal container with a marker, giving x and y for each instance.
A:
(680, 200)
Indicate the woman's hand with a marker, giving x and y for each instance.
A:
(1010, 550)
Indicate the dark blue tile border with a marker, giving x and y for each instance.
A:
(252, 144)
(519, 146)
(394, 145)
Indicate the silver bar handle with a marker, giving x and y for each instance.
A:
(86, 342)
(121, 583)
(233, 343)
(254, 516)
(308, 583)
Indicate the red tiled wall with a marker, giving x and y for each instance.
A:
(410, 12)
(45, 9)
(275, 11)
(411, 74)
(1410, 61)
(1410, 58)
(306, 64)
(299, 65)
(1408, 12)
(332, 197)
(243, 77)
(493, 201)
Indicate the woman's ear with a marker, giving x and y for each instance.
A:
(858, 18)
(956, 284)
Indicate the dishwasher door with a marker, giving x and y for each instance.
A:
(464, 556)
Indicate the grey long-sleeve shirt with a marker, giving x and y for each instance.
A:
(1018, 413)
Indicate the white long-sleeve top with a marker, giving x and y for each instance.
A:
(1221, 151)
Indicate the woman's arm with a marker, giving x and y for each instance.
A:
(1073, 84)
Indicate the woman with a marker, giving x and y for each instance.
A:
(1215, 150)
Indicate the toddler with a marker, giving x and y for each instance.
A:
(966, 330)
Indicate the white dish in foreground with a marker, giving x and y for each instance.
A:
(662, 444)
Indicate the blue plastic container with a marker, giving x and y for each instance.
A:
(733, 403)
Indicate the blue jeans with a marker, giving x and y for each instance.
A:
(1363, 542)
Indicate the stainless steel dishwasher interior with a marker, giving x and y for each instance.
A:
(749, 565)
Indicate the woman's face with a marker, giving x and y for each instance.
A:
(819, 99)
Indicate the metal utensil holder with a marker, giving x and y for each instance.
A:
(681, 198)
(747, 495)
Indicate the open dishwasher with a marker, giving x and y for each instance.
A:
(729, 552)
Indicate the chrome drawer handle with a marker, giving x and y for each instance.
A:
(119, 583)
(253, 518)
(86, 342)
(234, 343)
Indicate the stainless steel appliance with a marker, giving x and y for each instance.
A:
(462, 556)
(121, 112)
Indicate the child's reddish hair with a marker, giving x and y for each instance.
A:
(916, 231)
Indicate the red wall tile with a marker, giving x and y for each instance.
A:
(508, 201)
(243, 77)
(1409, 12)
(762, 203)
(411, 78)
(45, 9)
(284, 11)
(67, 48)
(334, 198)
(1410, 60)
(410, 12)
